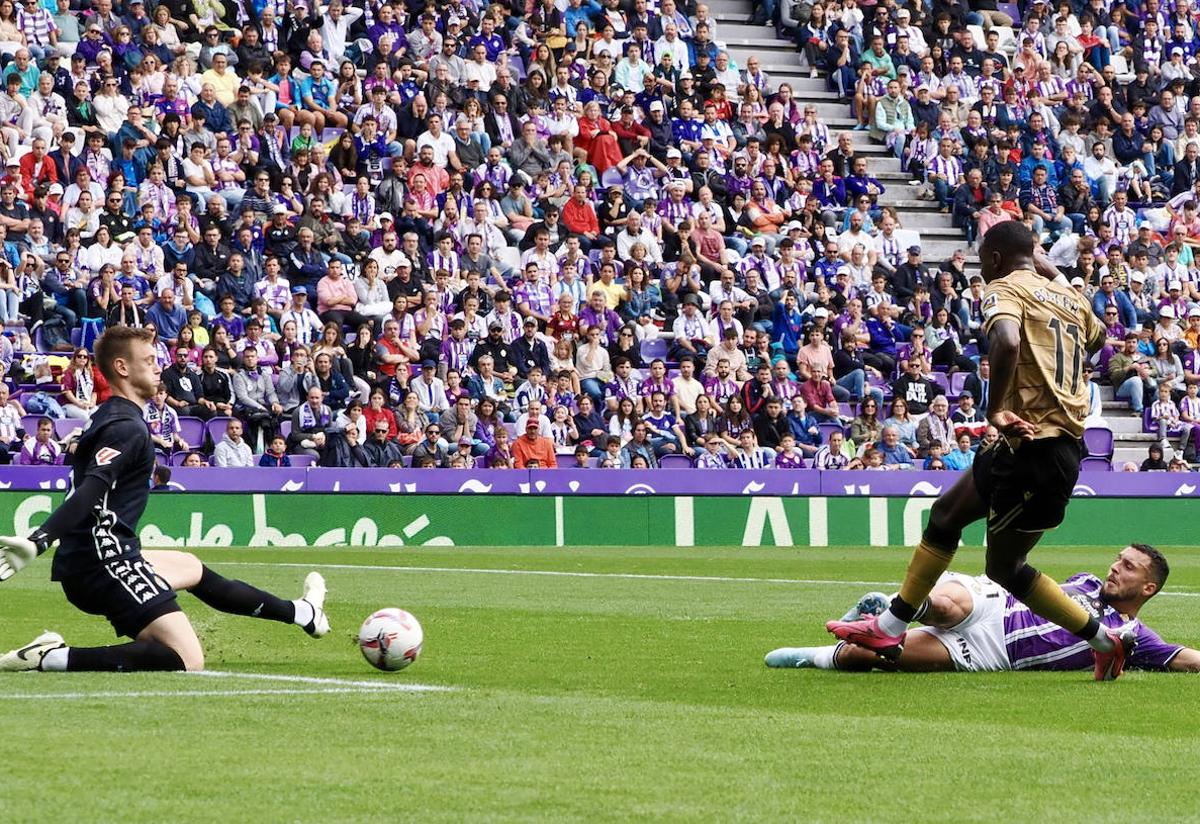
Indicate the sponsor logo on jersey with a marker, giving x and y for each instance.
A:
(989, 306)
(107, 455)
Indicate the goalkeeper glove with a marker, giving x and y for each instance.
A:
(16, 553)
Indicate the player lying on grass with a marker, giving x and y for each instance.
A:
(973, 625)
(99, 561)
(1039, 334)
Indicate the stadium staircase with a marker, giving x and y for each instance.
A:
(938, 238)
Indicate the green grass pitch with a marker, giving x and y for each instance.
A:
(631, 688)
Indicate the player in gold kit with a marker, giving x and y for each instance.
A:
(1040, 333)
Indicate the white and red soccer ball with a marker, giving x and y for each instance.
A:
(390, 639)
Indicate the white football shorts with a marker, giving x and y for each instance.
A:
(976, 644)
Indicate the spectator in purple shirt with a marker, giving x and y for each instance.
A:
(597, 313)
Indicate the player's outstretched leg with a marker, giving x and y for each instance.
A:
(884, 634)
(166, 644)
(182, 570)
(804, 657)
(922, 653)
(1006, 553)
(240, 598)
(50, 653)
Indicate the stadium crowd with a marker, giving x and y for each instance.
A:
(540, 234)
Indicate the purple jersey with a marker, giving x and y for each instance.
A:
(457, 353)
(649, 386)
(789, 460)
(1035, 643)
(619, 388)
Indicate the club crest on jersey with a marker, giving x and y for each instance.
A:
(107, 455)
(1094, 606)
(989, 306)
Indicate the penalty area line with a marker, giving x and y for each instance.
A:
(629, 576)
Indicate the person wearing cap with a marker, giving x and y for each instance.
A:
(531, 446)
(1191, 334)
(1145, 242)
(429, 388)
(529, 351)
(66, 163)
(630, 134)
(659, 127)
(1173, 296)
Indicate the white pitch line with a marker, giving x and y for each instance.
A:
(75, 696)
(634, 576)
(383, 686)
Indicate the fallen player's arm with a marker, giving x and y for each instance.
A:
(1186, 660)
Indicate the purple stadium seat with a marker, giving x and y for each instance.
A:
(302, 461)
(285, 427)
(652, 349)
(65, 426)
(611, 177)
(1095, 464)
(177, 458)
(76, 336)
(675, 462)
(30, 423)
(517, 66)
(828, 429)
(942, 380)
(956, 382)
(216, 428)
(192, 431)
(1098, 441)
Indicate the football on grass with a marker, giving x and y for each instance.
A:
(390, 639)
